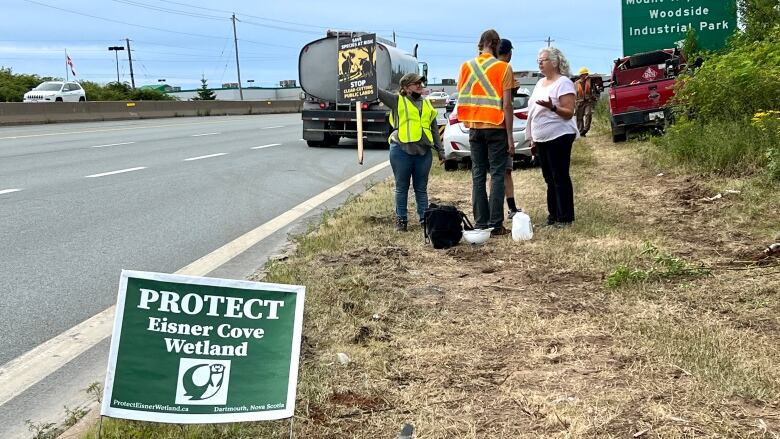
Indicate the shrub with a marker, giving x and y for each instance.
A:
(14, 86)
(729, 147)
(736, 84)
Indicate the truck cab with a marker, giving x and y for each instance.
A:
(640, 90)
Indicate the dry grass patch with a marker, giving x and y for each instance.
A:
(528, 340)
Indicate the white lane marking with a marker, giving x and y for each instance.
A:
(205, 134)
(205, 156)
(115, 172)
(107, 130)
(113, 144)
(8, 191)
(275, 126)
(28, 369)
(266, 146)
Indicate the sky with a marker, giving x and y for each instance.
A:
(180, 41)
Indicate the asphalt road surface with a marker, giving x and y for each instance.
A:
(81, 202)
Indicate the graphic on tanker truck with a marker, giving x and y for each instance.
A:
(357, 67)
(327, 116)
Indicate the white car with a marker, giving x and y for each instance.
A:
(56, 91)
(438, 96)
(456, 136)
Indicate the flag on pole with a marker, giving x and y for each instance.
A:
(70, 64)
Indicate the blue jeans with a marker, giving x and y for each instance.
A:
(405, 167)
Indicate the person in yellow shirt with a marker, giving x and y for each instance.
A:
(485, 107)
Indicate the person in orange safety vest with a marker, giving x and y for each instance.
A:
(587, 95)
(485, 107)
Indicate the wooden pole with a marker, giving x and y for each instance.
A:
(359, 131)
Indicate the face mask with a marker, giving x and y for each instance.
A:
(416, 95)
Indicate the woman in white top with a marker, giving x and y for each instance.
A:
(552, 130)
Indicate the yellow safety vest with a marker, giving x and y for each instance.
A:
(412, 122)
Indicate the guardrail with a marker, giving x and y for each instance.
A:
(15, 113)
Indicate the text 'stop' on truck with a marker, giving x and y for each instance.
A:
(325, 119)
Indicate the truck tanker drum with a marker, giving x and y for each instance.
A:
(325, 120)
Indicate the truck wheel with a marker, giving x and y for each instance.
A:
(618, 133)
(618, 137)
(450, 165)
(331, 140)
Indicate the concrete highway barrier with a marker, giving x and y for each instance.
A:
(15, 113)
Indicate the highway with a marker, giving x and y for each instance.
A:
(81, 202)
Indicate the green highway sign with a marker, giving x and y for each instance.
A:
(661, 24)
(191, 349)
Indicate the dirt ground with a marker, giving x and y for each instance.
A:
(657, 315)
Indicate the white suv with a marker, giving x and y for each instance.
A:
(56, 91)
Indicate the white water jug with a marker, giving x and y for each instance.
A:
(522, 229)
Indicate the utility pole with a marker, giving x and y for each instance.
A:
(130, 60)
(549, 40)
(238, 66)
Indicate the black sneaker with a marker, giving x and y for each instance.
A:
(562, 224)
(499, 231)
(401, 225)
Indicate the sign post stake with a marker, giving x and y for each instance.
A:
(359, 131)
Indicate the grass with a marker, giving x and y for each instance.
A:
(589, 331)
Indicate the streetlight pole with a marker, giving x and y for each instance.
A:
(116, 50)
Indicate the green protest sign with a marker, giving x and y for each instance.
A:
(201, 350)
(657, 24)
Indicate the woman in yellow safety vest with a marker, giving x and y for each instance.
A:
(415, 133)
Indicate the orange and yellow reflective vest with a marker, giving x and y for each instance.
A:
(480, 90)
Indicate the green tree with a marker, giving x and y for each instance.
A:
(758, 17)
(204, 93)
(690, 46)
(13, 86)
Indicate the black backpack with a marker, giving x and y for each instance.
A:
(443, 225)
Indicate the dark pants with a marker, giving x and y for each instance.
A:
(555, 158)
(488, 152)
(405, 167)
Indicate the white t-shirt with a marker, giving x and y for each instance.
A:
(543, 124)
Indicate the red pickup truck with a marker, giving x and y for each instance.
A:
(640, 89)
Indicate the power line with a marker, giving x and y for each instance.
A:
(244, 15)
(121, 22)
(590, 44)
(171, 11)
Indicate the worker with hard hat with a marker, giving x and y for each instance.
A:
(587, 95)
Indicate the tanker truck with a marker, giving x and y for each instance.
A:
(325, 119)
